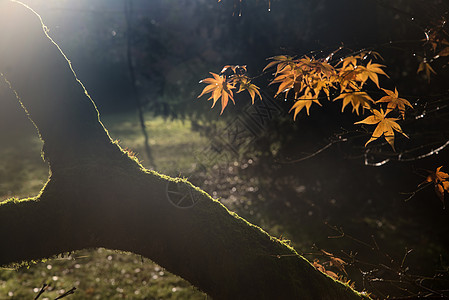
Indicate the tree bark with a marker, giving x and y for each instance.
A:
(97, 196)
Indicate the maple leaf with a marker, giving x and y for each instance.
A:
(385, 127)
(371, 70)
(246, 85)
(356, 99)
(280, 60)
(444, 52)
(424, 66)
(306, 101)
(440, 181)
(219, 87)
(287, 79)
(236, 69)
(350, 61)
(364, 54)
(347, 74)
(394, 101)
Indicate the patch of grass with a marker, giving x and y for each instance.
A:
(96, 274)
(172, 143)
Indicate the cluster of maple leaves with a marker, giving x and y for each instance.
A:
(438, 44)
(440, 180)
(221, 85)
(308, 80)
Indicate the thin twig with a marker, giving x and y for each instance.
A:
(69, 292)
(43, 289)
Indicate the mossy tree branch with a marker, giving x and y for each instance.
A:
(97, 196)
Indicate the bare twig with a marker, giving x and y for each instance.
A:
(43, 289)
(69, 292)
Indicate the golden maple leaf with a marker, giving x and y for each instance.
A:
(371, 71)
(246, 85)
(281, 61)
(357, 100)
(424, 66)
(236, 69)
(349, 62)
(287, 78)
(219, 87)
(306, 101)
(394, 101)
(385, 126)
(444, 52)
(440, 181)
(347, 74)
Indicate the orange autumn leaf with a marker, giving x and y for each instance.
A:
(287, 78)
(444, 52)
(440, 181)
(356, 99)
(371, 71)
(281, 61)
(348, 61)
(394, 102)
(234, 68)
(246, 85)
(306, 101)
(219, 87)
(424, 66)
(385, 127)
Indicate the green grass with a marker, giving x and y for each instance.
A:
(97, 273)
(172, 142)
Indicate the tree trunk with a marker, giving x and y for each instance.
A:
(97, 196)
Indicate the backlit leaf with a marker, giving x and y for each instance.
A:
(356, 99)
(394, 102)
(371, 71)
(253, 90)
(306, 101)
(280, 60)
(444, 52)
(220, 88)
(385, 127)
(440, 181)
(424, 66)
